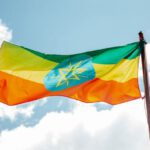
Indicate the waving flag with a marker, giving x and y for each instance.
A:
(108, 75)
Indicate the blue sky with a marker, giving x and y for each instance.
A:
(64, 27)
(70, 26)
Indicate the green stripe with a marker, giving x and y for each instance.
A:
(116, 54)
(101, 56)
(52, 57)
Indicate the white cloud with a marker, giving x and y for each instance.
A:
(26, 110)
(148, 60)
(5, 33)
(13, 111)
(121, 128)
(148, 52)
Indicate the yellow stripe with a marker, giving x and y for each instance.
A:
(35, 76)
(17, 61)
(121, 72)
(16, 58)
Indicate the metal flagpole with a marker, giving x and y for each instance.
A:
(145, 76)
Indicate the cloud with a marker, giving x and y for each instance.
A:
(5, 32)
(123, 127)
(13, 111)
(148, 63)
(26, 110)
(148, 52)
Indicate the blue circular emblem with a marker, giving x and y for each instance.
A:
(71, 72)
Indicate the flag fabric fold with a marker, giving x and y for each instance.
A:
(108, 75)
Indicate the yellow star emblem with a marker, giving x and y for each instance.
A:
(72, 72)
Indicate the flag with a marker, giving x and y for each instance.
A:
(108, 75)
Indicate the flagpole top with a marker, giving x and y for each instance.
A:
(141, 36)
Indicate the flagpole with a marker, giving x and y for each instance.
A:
(145, 77)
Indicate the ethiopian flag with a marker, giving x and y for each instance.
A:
(108, 75)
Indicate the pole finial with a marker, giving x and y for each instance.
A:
(141, 36)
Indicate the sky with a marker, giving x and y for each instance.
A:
(66, 27)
